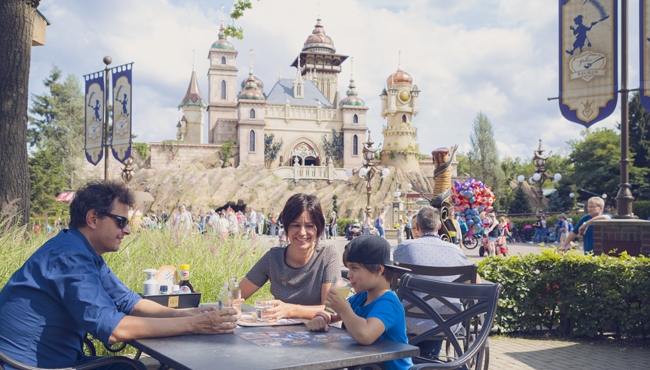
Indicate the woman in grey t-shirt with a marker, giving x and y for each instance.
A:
(302, 273)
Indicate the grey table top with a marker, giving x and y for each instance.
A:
(229, 351)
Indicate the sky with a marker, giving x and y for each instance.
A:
(469, 56)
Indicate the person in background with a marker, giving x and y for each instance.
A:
(274, 224)
(407, 226)
(538, 230)
(223, 225)
(503, 230)
(367, 225)
(334, 229)
(492, 232)
(463, 229)
(454, 234)
(595, 207)
(543, 221)
(184, 219)
(374, 311)
(327, 229)
(260, 223)
(233, 223)
(381, 220)
(253, 218)
(414, 227)
(430, 250)
(65, 291)
(563, 229)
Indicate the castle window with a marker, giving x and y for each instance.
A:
(251, 143)
(355, 144)
(355, 119)
(404, 118)
(223, 60)
(223, 89)
(252, 114)
(299, 90)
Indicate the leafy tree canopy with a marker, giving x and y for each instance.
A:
(484, 158)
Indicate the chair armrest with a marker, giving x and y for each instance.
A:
(6, 360)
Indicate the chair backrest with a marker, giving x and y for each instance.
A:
(484, 296)
(468, 273)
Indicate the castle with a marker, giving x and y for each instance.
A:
(304, 116)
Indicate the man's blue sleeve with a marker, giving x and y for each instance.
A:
(123, 297)
(75, 283)
(584, 219)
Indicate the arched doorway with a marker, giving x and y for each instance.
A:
(305, 154)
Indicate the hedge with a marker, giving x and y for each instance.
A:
(641, 208)
(550, 221)
(580, 295)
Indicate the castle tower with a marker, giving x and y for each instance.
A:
(251, 105)
(193, 107)
(222, 79)
(399, 104)
(353, 112)
(320, 62)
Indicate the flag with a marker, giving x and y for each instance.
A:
(121, 138)
(94, 118)
(644, 49)
(588, 60)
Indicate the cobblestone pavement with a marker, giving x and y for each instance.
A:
(541, 354)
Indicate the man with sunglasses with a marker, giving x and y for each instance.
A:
(65, 290)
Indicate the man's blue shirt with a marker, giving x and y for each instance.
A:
(389, 310)
(63, 291)
(588, 238)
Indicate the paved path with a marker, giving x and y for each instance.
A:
(542, 354)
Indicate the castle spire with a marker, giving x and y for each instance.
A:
(222, 16)
(193, 95)
(399, 62)
(251, 53)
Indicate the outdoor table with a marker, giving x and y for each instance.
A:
(229, 351)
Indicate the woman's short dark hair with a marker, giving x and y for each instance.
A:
(299, 203)
(100, 197)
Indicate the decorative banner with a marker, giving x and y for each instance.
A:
(588, 60)
(644, 49)
(94, 122)
(121, 138)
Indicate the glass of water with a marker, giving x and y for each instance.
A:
(262, 304)
(341, 285)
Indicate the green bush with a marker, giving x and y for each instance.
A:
(580, 295)
(641, 209)
(342, 223)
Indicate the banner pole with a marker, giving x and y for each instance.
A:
(624, 197)
(107, 61)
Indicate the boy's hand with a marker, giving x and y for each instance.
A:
(336, 301)
(317, 324)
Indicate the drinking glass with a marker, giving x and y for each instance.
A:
(342, 286)
(261, 304)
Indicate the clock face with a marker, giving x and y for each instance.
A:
(404, 96)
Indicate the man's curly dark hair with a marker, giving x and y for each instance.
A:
(98, 195)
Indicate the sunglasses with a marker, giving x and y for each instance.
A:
(121, 221)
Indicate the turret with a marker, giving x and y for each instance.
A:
(193, 107)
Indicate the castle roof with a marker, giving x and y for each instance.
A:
(283, 91)
(318, 39)
(193, 95)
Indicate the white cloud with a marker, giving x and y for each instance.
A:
(499, 57)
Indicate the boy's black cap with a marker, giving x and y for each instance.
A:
(371, 249)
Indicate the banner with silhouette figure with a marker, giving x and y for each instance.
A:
(644, 53)
(121, 135)
(94, 118)
(588, 60)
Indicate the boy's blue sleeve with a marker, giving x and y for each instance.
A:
(386, 311)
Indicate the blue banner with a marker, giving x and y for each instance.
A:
(644, 49)
(94, 118)
(588, 58)
(122, 88)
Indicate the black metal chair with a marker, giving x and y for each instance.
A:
(6, 360)
(484, 298)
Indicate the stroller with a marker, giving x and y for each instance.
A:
(500, 247)
(550, 234)
(528, 233)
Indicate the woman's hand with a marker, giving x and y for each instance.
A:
(279, 310)
(317, 324)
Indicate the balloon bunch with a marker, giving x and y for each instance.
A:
(471, 198)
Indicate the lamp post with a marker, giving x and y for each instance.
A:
(540, 176)
(368, 170)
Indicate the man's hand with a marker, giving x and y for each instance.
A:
(202, 310)
(336, 301)
(583, 229)
(317, 324)
(215, 322)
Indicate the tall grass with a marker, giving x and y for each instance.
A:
(212, 259)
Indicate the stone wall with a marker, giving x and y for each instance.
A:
(179, 155)
(89, 172)
(632, 236)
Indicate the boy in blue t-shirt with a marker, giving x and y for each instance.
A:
(375, 311)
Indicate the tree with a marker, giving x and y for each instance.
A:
(483, 158)
(639, 133)
(16, 28)
(519, 203)
(57, 122)
(46, 181)
(596, 166)
(271, 149)
(334, 149)
(463, 164)
(556, 203)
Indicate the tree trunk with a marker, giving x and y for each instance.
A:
(16, 28)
